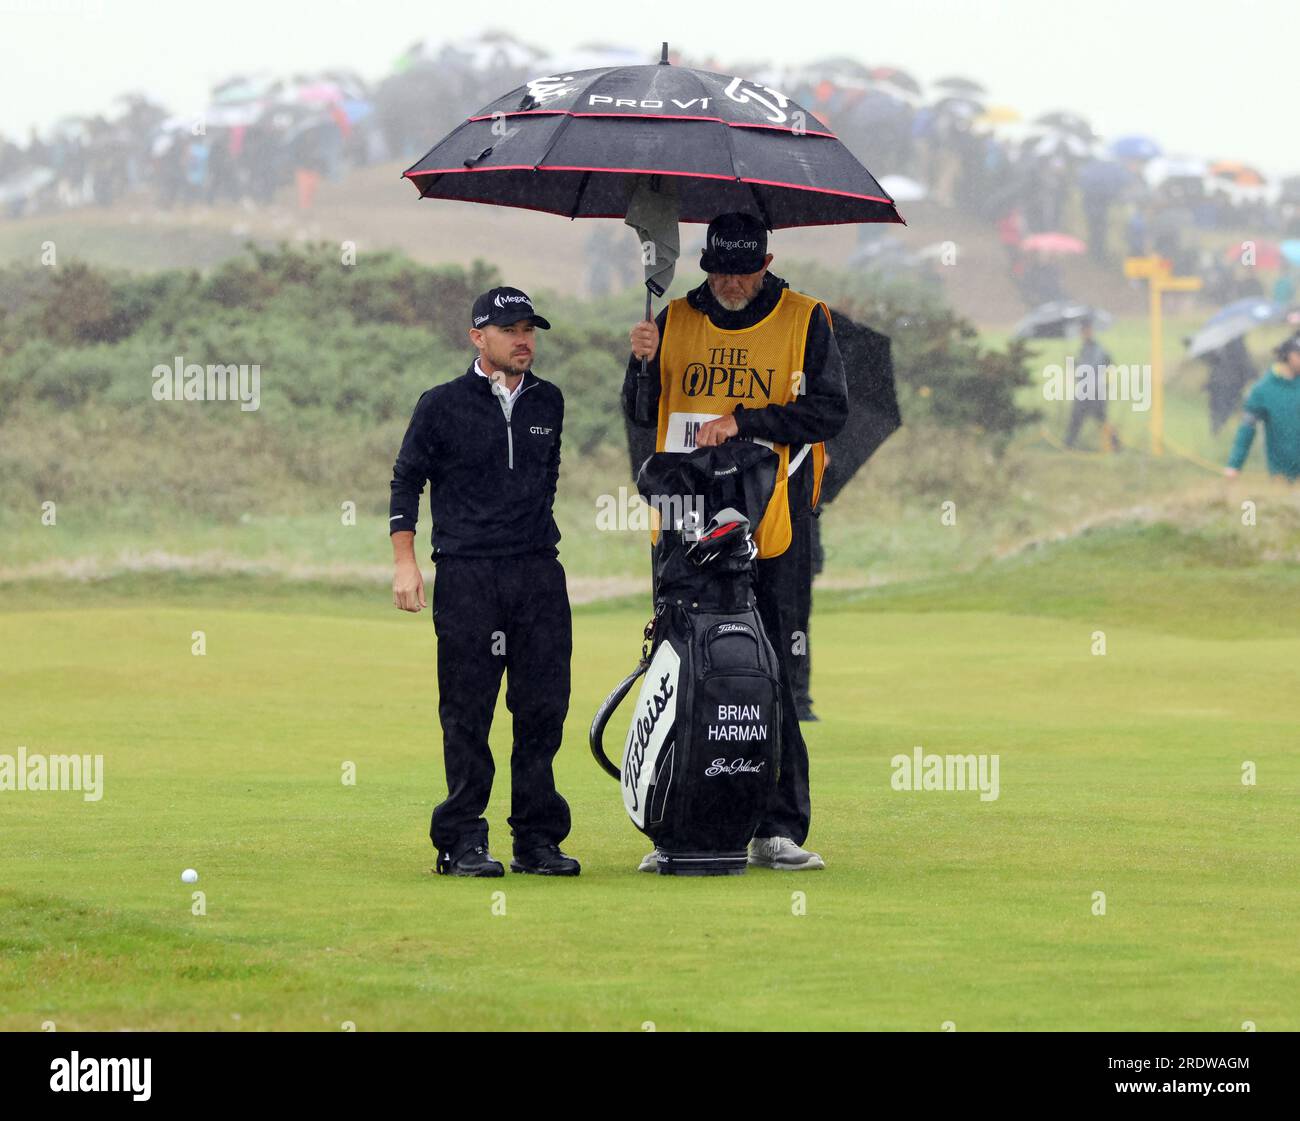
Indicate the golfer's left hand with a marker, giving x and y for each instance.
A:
(715, 432)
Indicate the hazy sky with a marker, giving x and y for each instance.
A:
(1212, 79)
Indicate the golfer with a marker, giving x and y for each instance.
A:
(745, 356)
(1275, 400)
(488, 443)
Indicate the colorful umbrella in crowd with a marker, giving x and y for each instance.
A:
(1054, 243)
(1258, 254)
(1134, 148)
(1234, 172)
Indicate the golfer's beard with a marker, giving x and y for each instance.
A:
(511, 363)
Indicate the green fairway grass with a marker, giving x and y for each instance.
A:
(1118, 774)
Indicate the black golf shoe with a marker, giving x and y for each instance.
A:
(545, 860)
(476, 861)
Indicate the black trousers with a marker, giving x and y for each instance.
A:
(495, 615)
(807, 545)
(1081, 411)
(778, 589)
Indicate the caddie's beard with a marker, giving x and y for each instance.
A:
(732, 295)
(733, 305)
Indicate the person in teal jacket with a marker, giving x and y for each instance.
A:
(1275, 400)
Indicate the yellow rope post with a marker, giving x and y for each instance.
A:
(1156, 272)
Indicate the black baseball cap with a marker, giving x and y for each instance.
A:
(500, 307)
(734, 244)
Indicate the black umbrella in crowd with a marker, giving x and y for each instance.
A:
(1070, 123)
(1059, 319)
(965, 87)
(655, 141)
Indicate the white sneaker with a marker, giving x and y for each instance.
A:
(782, 853)
(649, 862)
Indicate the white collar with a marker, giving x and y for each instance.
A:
(511, 394)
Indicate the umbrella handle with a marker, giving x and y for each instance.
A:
(643, 379)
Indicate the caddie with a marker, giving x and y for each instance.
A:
(744, 356)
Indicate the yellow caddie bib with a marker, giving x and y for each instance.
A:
(705, 372)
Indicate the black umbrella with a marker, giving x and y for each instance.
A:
(873, 407)
(967, 87)
(575, 144)
(1070, 123)
(873, 404)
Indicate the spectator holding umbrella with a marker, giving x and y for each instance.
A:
(1096, 358)
(1230, 372)
(1274, 400)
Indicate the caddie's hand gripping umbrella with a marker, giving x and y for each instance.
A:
(654, 145)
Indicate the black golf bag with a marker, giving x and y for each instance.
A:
(700, 756)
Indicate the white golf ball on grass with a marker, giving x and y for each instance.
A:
(189, 876)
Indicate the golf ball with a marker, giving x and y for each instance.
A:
(189, 876)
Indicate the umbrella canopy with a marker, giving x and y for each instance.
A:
(1231, 323)
(1052, 243)
(22, 185)
(1238, 173)
(575, 144)
(1134, 148)
(896, 77)
(967, 87)
(1072, 123)
(234, 114)
(1105, 178)
(873, 403)
(242, 88)
(996, 115)
(958, 107)
(1059, 319)
(1164, 168)
(1057, 142)
(1264, 254)
(902, 189)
